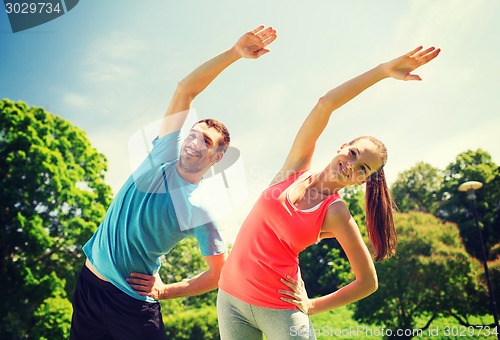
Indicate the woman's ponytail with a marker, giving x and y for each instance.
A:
(379, 220)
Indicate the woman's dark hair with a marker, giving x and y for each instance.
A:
(379, 207)
(224, 140)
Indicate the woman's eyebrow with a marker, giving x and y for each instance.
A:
(370, 169)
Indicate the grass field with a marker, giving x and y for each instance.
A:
(339, 324)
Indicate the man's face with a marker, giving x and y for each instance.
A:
(199, 149)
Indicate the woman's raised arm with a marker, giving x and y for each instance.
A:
(301, 152)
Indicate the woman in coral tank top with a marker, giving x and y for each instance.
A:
(260, 289)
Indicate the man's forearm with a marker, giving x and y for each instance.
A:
(201, 77)
(198, 284)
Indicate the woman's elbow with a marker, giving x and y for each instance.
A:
(369, 284)
(372, 284)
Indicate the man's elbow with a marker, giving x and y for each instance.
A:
(214, 277)
(215, 271)
(186, 91)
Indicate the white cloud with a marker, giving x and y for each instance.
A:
(76, 100)
(112, 58)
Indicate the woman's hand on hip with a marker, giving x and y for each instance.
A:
(297, 295)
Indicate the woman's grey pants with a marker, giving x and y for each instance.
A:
(240, 320)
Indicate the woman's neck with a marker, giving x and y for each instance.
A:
(320, 184)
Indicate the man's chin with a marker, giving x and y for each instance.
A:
(189, 168)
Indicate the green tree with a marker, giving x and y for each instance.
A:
(431, 275)
(473, 166)
(418, 188)
(184, 261)
(53, 316)
(192, 317)
(52, 198)
(195, 324)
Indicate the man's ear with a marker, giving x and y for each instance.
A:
(217, 156)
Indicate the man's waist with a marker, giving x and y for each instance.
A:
(94, 271)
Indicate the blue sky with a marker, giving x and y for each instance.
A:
(110, 68)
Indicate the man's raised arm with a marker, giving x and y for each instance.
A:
(251, 45)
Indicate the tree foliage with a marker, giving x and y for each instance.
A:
(431, 275)
(193, 324)
(455, 207)
(184, 261)
(417, 189)
(52, 198)
(427, 189)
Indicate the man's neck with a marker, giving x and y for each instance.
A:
(191, 177)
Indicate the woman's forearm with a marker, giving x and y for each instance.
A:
(354, 291)
(342, 94)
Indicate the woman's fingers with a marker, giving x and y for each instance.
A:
(291, 283)
(424, 56)
(288, 292)
(411, 53)
(429, 56)
(420, 53)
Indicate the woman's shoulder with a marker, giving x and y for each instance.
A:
(338, 214)
(338, 209)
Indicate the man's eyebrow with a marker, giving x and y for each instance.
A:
(211, 142)
(357, 150)
(205, 136)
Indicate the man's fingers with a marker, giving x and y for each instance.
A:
(266, 33)
(139, 288)
(255, 30)
(139, 282)
(142, 276)
(269, 40)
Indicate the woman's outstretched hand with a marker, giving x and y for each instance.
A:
(253, 44)
(401, 68)
(298, 295)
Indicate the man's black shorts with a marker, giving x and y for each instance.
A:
(102, 311)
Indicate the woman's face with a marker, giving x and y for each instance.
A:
(354, 163)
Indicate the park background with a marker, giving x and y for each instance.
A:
(110, 67)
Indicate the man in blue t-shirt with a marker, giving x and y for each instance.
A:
(118, 289)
